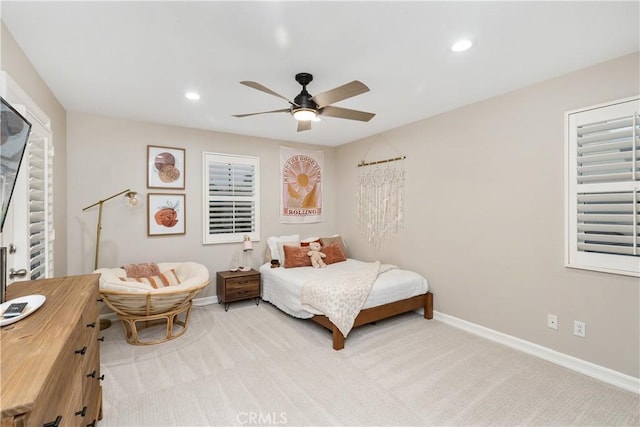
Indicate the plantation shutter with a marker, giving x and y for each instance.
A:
(231, 198)
(40, 158)
(33, 229)
(604, 187)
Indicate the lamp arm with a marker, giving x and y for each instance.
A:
(100, 202)
(99, 228)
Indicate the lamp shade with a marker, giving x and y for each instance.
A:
(304, 114)
(247, 245)
(132, 199)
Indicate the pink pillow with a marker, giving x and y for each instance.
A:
(334, 253)
(141, 270)
(296, 256)
(327, 241)
(157, 281)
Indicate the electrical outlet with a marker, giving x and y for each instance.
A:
(552, 321)
(579, 328)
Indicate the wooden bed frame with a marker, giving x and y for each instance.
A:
(373, 314)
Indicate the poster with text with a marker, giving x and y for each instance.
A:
(301, 186)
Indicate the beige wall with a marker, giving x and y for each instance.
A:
(108, 155)
(16, 64)
(484, 205)
(485, 217)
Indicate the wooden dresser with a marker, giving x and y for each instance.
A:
(50, 360)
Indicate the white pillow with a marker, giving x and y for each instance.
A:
(275, 249)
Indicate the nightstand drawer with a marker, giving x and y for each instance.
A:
(239, 282)
(250, 290)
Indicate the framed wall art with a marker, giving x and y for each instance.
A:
(166, 214)
(165, 167)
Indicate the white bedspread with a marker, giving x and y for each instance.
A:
(341, 297)
(283, 286)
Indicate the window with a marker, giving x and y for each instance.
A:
(231, 198)
(603, 188)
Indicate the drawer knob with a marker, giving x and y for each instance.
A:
(101, 338)
(91, 325)
(101, 377)
(92, 374)
(83, 412)
(55, 423)
(92, 424)
(82, 351)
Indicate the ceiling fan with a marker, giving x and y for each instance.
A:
(306, 108)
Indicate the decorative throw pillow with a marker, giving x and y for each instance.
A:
(326, 241)
(296, 256)
(141, 270)
(334, 253)
(283, 257)
(308, 240)
(273, 241)
(161, 280)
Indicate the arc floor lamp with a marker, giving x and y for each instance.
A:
(131, 198)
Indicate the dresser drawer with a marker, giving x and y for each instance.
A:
(62, 394)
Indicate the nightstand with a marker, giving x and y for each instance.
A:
(237, 286)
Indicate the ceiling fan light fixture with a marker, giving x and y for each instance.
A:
(192, 96)
(304, 114)
(461, 45)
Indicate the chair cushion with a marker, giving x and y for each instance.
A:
(190, 275)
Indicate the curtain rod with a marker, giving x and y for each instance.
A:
(363, 163)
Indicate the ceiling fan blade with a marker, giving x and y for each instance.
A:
(259, 87)
(283, 110)
(346, 113)
(304, 125)
(339, 93)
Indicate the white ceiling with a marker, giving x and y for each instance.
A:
(137, 59)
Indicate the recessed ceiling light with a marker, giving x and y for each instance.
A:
(461, 45)
(194, 96)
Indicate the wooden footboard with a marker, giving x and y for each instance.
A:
(373, 314)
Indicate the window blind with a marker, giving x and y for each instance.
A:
(40, 213)
(231, 199)
(604, 188)
(608, 223)
(608, 152)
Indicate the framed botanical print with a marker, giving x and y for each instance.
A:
(166, 214)
(165, 167)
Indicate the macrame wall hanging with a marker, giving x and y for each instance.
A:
(380, 198)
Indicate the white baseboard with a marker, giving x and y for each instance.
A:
(601, 373)
(199, 302)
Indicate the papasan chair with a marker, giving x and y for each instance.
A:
(141, 303)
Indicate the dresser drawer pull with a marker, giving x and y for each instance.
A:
(92, 374)
(82, 351)
(83, 412)
(92, 424)
(101, 377)
(91, 325)
(101, 339)
(100, 299)
(55, 423)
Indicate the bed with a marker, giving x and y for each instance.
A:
(305, 292)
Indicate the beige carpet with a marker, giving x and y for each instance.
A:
(254, 365)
